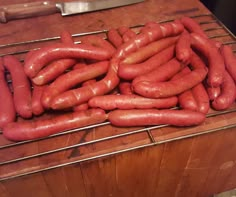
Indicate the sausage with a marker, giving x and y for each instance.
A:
(84, 106)
(128, 34)
(72, 79)
(55, 68)
(81, 107)
(37, 106)
(81, 95)
(162, 73)
(146, 117)
(131, 71)
(66, 37)
(122, 30)
(110, 102)
(229, 59)
(183, 48)
(7, 112)
(125, 87)
(114, 37)
(47, 54)
(98, 41)
(187, 100)
(201, 96)
(192, 26)
(21, 86)
(227, 96)
(146, 37)
(52, 71)
(215, 60)
(173, 87)
(213, 92)
(149, 50)
(39, 128)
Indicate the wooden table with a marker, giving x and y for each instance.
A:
(106, 161)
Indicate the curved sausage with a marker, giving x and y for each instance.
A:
(176, 86)
(72, 79)
(81, 95)
(39, 128)
(162, 73)
(187, 101)
(37, 106)
(114, 37)
(192, 26)
(21, 86)
(57, 67)
(149, 50)
(7, 112)
(52, 71)
(146, 37)
(98, 41)
(131, 71)
(170, 88)
(229, 59)
(216, 66)
(201, 96)
(227, 96)
(183, 48)
(45, 55)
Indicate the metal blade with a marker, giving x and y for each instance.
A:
(76, 7)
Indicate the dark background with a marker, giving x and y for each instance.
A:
(225, 10)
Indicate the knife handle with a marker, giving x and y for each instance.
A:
(26, 10)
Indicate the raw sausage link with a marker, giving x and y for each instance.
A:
(52, 71)
(114, 37)
(145, 117)
(173, 87)
(72, 79)
(7, 112)
(37, 106)
(57, 67)
(186, 98)
(201, 96)
(29, 130)
(212, 92)
(146, 37)
(21, 86)
(149, 50)
(131, 71)
(183, 48)
(161, 73)
(187, 101)
(98, 41)
(228, 92)
(215, 60)
(81, 95)
(45, 55)
(230, 60)
(110, 102)
(192, 26)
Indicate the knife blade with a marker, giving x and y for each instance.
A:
(33, 9)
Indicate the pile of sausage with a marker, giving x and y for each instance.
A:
(167, 73)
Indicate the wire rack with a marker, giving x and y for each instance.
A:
(18, 159)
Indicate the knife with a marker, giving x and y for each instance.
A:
(26, 10)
